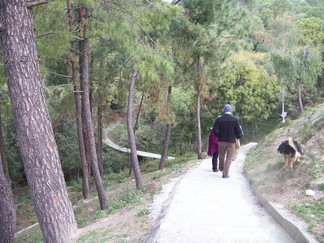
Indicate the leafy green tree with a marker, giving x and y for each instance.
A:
(313, 32)
(248, 86)
(280, 6)
(267, 16)
(213, 23)
(298, 70)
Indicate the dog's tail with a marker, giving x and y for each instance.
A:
(292, 143)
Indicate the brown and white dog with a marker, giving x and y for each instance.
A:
(291, 150)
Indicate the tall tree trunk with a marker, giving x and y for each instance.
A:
(99, 129)
(7, 210)
(32, 121)
(198, 99)
(135, 128)
(199, 141)
(300, 100)
(78, 108)
(299, 83)
(100, 163)
(166, 143)
(84, 72)
(3, 150)
(131, 134)
(138, 112)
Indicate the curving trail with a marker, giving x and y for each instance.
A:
(112, 145)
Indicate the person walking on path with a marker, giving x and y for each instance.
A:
(227, 129)
(213, 149)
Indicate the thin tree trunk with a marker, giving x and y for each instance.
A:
(138, 112)
(135, 128)
(100, 163)
(199, 141)
(300, 100)
(7, 210)
(299, 84)
(166, 143)
(130, 129)
(198, 98)
(78, 108)
(3, 150)
(32, 121)
(84, 72)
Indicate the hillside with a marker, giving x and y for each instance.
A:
(265, 170)
(128, 217)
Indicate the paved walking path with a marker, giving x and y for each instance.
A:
(207, 208)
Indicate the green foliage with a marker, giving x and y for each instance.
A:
(125, 197)
(312, 212)
(313, 32)
(280, 6)
(248, 87)
(148, 136)
(67, 143)
(321, 187)
(52, 36)
(184, 131)
(15, 163)
(143, 212)
(203, 12)
(267, 16)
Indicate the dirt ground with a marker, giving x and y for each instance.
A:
(133, 222)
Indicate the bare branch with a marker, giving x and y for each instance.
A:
(45, 34)
(60, 75)
(175, 2)
(35, 3)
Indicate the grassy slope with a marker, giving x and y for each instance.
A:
(126, 219)
(265, 169)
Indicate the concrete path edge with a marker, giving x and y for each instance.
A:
(294, 226)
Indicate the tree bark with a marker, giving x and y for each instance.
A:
(7, 210)
(87, 122)
(300, 100)
(198, 98)
(131, 134)
(78, 107)
(135, 128)
(3, 151)
(32, 121)
(100, 145)
(166, 143)
(138, 112)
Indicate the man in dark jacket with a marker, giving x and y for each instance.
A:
(227, 128)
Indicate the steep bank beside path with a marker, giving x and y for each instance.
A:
(204, 207)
